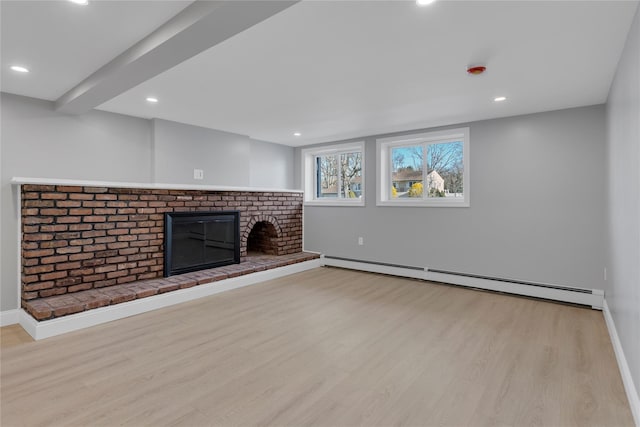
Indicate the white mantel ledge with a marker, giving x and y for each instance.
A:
(18, 180)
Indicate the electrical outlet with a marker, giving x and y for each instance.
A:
(198, 174)
(360, 241)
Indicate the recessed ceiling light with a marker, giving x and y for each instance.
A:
(80, 2)
(19, 69)
(424, 2)
(297, 134)
(152, 99)
(500, 98)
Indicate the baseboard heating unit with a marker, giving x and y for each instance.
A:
(593, 298)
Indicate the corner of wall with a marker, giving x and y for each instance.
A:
(152, 154)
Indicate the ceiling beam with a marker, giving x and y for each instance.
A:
(195, 29)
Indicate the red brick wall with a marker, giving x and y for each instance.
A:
(79, 238)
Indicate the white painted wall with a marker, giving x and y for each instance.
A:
(36, 141)
(536, 214)
(623, 216)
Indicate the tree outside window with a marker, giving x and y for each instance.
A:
(339, 175)
(334, 175)
(444, 170)
(425, 169)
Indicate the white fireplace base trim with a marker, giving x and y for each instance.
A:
(85, 319)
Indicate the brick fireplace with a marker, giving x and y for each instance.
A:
(78, 238)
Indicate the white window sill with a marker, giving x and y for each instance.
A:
(355, 203)
(423, 204)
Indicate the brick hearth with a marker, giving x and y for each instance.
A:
(77, 239)
(62, 305)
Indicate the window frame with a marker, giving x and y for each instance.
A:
(384, 167)
(310, 176)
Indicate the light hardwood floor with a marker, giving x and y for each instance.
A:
(327, 347)
(14, 335)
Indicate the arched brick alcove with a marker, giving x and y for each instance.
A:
(263, 239)
(262, 234)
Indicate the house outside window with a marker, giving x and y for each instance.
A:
(334, 175)
(427, 169)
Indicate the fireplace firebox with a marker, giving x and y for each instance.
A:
(198, 240)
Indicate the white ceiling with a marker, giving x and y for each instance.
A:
(62, 43)
(335, 69)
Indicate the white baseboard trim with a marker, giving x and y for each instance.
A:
(28, 323)
(625, 372)
(9, 317)
(594, 298)
(85, 319)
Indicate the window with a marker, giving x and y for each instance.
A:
(428, 169)
(334, 175)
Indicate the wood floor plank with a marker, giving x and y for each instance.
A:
(326, 347)
(13, 335)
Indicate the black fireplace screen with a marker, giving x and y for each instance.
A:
(198, 240)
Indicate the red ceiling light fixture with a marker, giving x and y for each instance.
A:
(476, 70)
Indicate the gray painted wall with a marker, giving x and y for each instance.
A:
(180, 148)
(623, 219)
(537, 207)
(271, 165)
(36, 141)
(226, 158)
